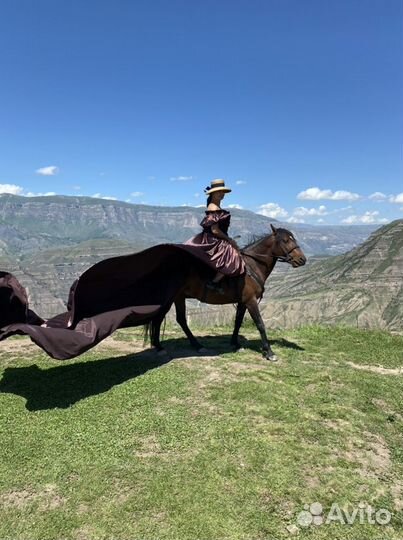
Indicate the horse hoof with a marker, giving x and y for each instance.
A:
(271, 357)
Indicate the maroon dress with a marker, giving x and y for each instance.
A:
(217, 252)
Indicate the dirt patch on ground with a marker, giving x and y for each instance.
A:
(47, 499)
(86, 533)
(150, 447)
(133, 346)
(16, 347)
(311, 481)
(387, 409)
(338, 424)
(372, 455)
(376, 369)
(17, 499)
(397, 494)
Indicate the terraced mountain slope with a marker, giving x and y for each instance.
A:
(363, 287)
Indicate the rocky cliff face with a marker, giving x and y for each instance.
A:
(362, 288)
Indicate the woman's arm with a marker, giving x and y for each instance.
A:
(215, 229)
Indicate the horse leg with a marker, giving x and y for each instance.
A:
(180, 307)
(240, 313)
(155, 331)
(253, 309)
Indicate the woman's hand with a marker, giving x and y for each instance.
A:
(233, 244)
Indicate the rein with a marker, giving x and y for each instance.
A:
(286, 257)
(258, 258)
(263, 259)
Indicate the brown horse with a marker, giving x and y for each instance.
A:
(260, 257)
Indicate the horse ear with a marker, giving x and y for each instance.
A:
(273, 228)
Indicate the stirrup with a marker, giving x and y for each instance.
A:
(214, 286)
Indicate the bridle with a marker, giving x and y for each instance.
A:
(286, 257)
(281, 258)
(263, 259)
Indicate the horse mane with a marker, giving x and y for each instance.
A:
(256, 238)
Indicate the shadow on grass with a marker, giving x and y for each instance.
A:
(64, 385)
(221, 344)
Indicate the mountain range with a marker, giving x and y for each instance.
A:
(47, 242)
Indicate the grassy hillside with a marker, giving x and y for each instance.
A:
(117, 444)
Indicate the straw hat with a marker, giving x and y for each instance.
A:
(217, 185)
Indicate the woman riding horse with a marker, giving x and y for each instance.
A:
(221, 251)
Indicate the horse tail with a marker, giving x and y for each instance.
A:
(151, 329)
(147, 333)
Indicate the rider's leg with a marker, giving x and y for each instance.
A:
(214, 284)
(218, 277)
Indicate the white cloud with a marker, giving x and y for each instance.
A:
(18, 190)
(320, 220)
(316, 194)
(11, 188)
(77, 188)
(47, 194)
(48, 171)
(272, 210)
(377, 196)
(240, 182)
(344, 209)
(181, 178)
(302, 211)
(196, 195)
(99, 196)
(136, 194)
(293, 219)
(235, 206)
(396, 198)
(366, 218)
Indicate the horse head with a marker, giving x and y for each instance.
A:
(285, 247)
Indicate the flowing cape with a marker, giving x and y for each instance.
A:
(119, 292)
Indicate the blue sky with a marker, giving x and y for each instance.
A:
(296, 104)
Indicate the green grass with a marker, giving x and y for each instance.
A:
(113, 445)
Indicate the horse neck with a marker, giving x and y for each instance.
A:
(264, 248)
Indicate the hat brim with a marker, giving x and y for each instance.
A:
(212, 190)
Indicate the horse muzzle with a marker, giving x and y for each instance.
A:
(298, 261)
